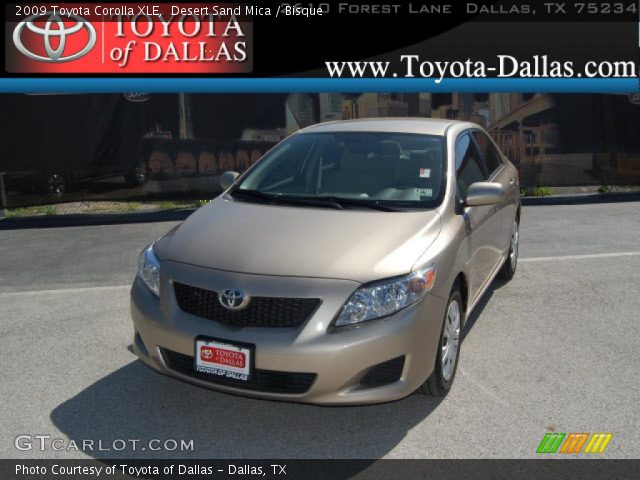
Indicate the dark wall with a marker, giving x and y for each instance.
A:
(597, 123)
(66, 132)
(225, 116)
(104, 131)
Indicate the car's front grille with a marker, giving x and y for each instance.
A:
(261, 311)
(269, 381)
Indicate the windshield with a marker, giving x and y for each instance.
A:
(350, 169)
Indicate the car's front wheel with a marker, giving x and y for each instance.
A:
(440, 381)
(509, 267)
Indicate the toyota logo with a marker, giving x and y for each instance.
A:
(54, 55)
(232, 299)
(206, 353)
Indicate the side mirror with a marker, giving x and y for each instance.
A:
(484, 193)
(227, 179)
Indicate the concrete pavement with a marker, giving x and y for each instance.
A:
(555, 349)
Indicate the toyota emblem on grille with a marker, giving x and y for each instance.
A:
(233, 299)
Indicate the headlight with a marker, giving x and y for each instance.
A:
(383, 298)
(149, 270)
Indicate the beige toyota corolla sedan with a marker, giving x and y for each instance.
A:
(339, 269)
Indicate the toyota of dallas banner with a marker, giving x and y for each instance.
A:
(131, 38)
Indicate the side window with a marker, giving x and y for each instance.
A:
(491, 156)
(468, 164)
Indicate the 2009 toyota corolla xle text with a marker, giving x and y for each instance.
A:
(339, 269)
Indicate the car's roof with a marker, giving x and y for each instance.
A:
(426, 126)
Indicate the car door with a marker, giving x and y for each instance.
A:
(498, 172)
(481, 222)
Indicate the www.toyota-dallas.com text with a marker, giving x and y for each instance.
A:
(505, 66)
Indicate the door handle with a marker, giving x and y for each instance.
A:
(512, 181)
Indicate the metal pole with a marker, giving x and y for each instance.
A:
(3, 197)
(184, 116)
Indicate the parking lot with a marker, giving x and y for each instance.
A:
(556, 349)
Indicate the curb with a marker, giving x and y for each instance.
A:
(582, 198)
(87, 219)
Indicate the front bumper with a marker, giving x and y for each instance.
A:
(340, 360)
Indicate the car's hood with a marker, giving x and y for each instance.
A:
(360, 245)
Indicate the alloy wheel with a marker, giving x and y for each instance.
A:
(513, 251)
(450, 340)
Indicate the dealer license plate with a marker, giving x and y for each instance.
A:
(221, 359)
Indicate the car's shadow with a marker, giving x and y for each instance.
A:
(497, 284)
(137, 403)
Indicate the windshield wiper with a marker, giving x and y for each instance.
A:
(281, 199)
(362, 203)
(256, 194)
(338, 203)
(315, 201)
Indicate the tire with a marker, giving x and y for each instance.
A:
(440, 381)
(508, 269)
(135, 178)
(56, 184)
